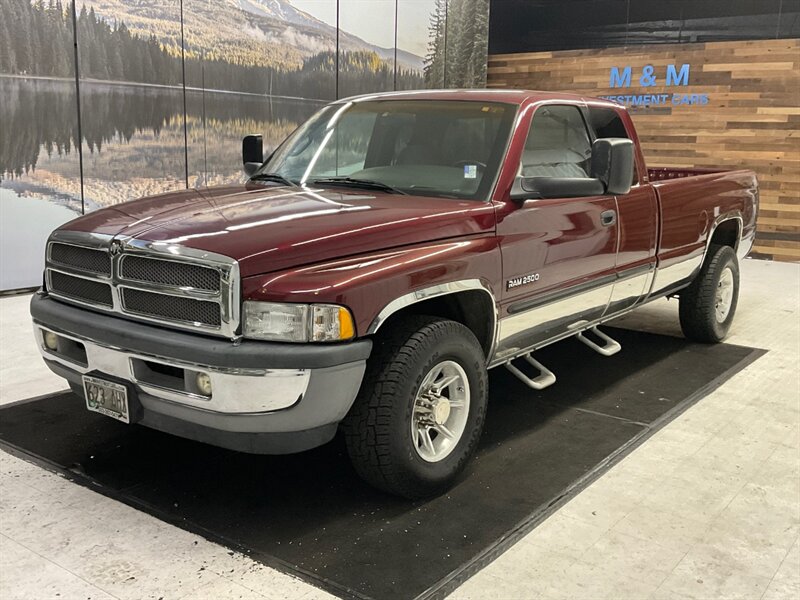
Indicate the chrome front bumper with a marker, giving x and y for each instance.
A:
(233, 391)
(268, 398)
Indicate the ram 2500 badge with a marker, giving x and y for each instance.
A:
(370, 271)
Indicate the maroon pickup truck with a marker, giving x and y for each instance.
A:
(386, 255)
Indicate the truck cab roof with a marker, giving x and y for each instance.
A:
(507, 96)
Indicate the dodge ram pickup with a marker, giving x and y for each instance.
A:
(373, 268)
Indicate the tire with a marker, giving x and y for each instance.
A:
(383, 430)
(708, 305)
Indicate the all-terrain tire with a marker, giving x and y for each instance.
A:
(700, 314)
(378, 428)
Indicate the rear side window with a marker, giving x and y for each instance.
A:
(558, 144)
(607, 123)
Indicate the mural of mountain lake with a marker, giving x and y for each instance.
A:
(133, 146)
(25, 224)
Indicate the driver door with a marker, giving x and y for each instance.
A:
(558, 253)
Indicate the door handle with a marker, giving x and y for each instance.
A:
(608, 218)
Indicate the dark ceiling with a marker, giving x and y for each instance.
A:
(540, 25)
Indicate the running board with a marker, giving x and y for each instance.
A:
(610, 347)
(545, 378)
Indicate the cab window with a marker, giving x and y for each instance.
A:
(607, 123)
(442, 148)
(558, 144)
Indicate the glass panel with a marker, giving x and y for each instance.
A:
(252, 68)
(39, 171)
(131, 100)
(558, 144)
(366, 46)
(466, 43)
(426, 147)
(607, 123)
(416, 35)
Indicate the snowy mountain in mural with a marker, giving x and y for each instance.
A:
(253, 32)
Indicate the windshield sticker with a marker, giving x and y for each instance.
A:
(470, 171)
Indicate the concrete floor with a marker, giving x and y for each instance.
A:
(709, 507)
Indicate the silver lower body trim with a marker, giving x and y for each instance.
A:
(234, 391)
(544, 325)
(630, 292)
(518, 333)
(667, 278)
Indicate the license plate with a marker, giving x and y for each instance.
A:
(107, 398)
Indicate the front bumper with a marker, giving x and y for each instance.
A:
(266, 397)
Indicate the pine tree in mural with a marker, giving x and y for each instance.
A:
(434, 60)
(8, 62)
(33, 38)
(459, 35)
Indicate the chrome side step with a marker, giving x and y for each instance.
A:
(609, 348)
(545, 378)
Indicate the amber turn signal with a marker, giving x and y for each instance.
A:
(347, 329)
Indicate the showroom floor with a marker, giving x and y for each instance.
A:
(709, 507)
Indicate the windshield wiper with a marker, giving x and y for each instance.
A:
(366, 184)
(438, 192)
(272, 177)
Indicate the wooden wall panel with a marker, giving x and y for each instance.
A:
(752, 118)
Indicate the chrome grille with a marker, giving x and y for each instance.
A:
(79, 288)
(169, 273)
(173, 308)
(176, 286)
(82, 259)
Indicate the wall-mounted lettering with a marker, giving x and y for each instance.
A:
(678, 78)
(649, 77)
(673, 75)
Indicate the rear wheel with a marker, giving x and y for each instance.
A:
(420, 411)
(708, 305)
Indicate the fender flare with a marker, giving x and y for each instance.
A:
(730, 216)
(435, 291)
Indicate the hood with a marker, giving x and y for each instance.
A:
(269, 228)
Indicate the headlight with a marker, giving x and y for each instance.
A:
(297, 322)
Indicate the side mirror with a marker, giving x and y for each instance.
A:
(252, 153)
(529, 188)
(612, 163)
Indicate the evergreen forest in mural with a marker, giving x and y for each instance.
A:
(152, 71)
(458, 42)
(36, 39)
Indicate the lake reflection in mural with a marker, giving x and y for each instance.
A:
(132, 145)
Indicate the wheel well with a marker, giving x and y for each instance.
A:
(473, 308)
(726, 234)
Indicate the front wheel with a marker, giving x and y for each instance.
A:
(419, 414)
(707, 306)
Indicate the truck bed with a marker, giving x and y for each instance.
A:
(691, 203)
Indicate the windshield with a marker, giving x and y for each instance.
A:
(446, 148)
